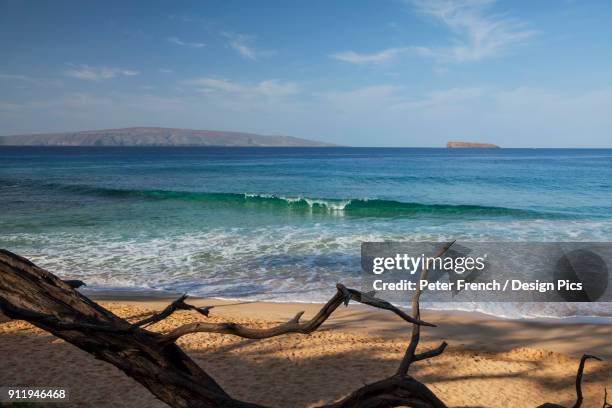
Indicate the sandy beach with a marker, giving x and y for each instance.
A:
(489, 362)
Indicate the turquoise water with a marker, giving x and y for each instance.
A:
(283, 223)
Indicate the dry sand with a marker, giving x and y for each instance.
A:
(489, 362)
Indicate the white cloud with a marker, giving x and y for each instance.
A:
(242, 44)
(373, 58)
(243, 49)
(216, 84)
(478, 33)
(177, 41)
(273, 87)
(90, 73)
(268, 88)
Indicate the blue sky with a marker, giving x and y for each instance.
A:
(362, 73)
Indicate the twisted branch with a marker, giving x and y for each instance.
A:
(178, 304)
(579, 397)
(409, 356)
(583, 360)
(343, 295)
(430, 353)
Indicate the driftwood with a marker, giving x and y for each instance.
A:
(343, 295)
(409, 356)
(30, 293)
(579, 397)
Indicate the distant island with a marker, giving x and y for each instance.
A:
(156, 136)
(470, 145)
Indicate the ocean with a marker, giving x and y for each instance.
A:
(286, 224)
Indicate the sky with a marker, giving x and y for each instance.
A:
(360, 73)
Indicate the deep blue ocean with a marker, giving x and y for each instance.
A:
(285, 224)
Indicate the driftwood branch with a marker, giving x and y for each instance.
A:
(409, 356)
(343, 295)
(579, 397)
(178, 304)
(583, 360)
(30, 293)
(430, 353)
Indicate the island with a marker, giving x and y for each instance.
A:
(470, 145)
(156, 136)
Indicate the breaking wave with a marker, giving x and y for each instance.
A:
(360, 207)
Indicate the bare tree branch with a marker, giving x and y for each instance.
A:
(409, 356)
(579, 397)
(343, 295)
(583, 360)
(430, 353)
(178, 304)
